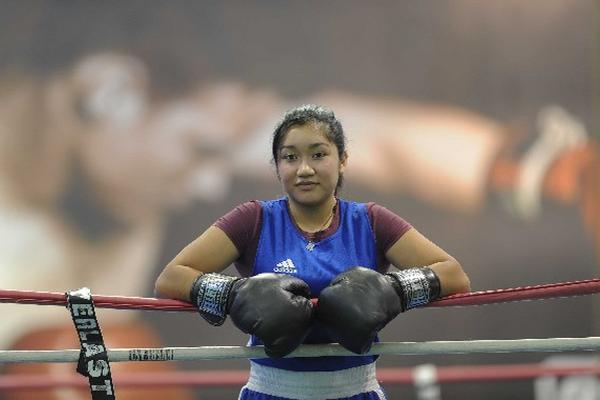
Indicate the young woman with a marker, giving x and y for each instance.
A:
(310, 244)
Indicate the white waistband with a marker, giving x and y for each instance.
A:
(312, 385)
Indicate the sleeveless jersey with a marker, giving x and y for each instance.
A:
(282, 248)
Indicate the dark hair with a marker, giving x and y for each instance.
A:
(311, 114)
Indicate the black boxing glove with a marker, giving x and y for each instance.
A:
(358, 303)
(274, 307)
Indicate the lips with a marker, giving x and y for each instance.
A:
(307, 185)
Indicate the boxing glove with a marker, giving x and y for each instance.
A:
(359, 302)
(276, 308)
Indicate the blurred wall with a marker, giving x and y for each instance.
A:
(127, 128)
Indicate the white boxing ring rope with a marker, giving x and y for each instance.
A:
(550, 345)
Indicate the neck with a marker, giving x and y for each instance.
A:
(313, 218)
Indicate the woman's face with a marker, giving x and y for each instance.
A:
(308, 165)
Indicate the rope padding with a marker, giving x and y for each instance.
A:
(552, 345)
(229, 378)
(537, 292)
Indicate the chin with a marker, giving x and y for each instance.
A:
(308, 201)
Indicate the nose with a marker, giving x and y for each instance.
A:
(305, 169)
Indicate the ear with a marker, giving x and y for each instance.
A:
(343, 161)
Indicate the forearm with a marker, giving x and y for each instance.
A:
(415, 250)
(175, 282)
(452, 277)
(212, 251)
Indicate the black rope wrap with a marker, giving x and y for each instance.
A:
(93, 358)
(416, 286)
(210, 294)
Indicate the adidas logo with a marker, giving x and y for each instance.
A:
(286, 267)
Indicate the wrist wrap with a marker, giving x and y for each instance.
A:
(416, 286)
(210, 294)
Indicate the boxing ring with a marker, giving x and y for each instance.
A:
(422, 376)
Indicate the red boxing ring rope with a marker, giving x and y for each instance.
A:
(228, 378)
(537, 292)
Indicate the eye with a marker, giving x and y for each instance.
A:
(319, 154)
(289, 157)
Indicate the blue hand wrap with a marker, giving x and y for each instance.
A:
(416, 286)
(210, 294)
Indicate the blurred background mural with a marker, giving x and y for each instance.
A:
(128, 127)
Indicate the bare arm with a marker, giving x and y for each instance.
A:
(415, 250)
(212, 251)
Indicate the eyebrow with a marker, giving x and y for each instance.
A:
(311, 146)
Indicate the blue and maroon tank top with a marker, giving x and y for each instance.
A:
(282, 248)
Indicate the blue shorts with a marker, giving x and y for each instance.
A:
(268, 383)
